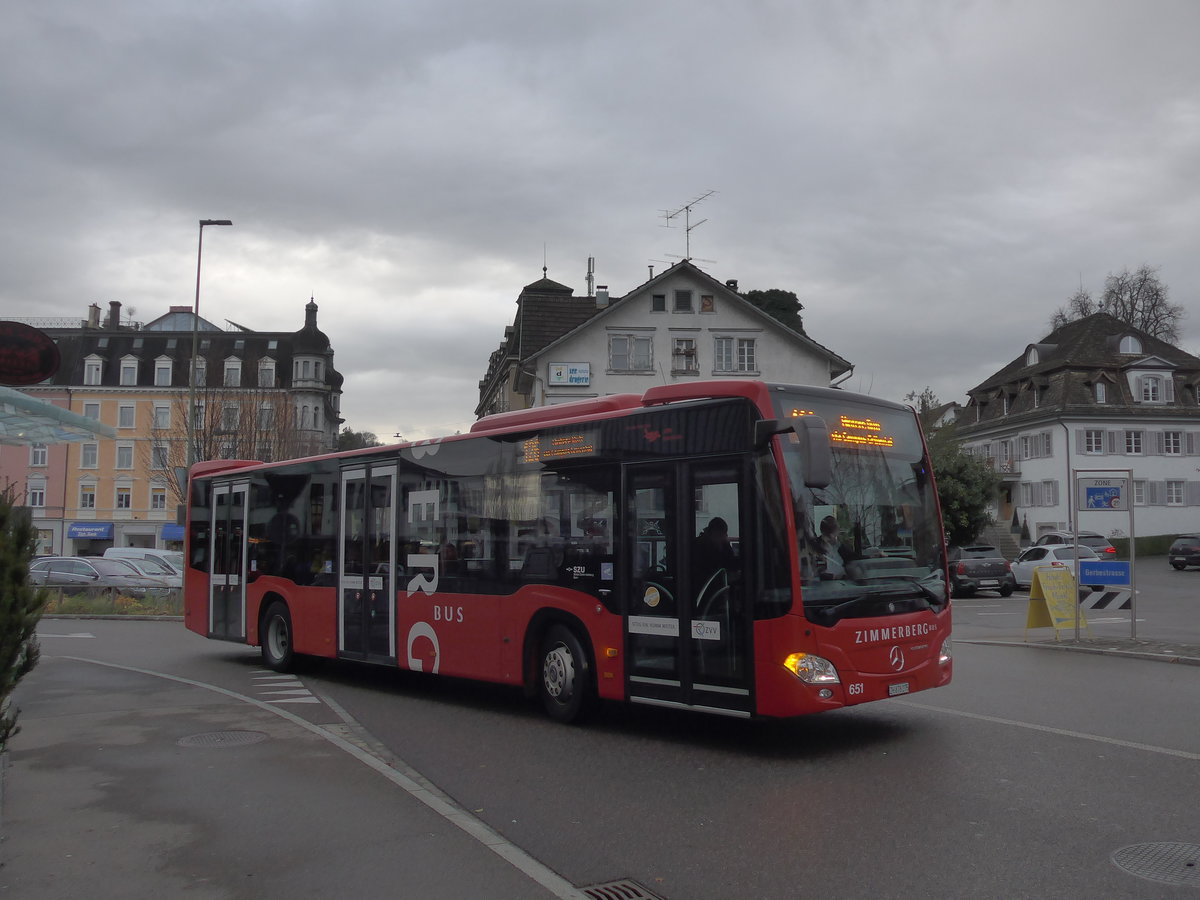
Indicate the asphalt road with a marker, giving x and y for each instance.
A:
(1032, 775)
(1167, 608)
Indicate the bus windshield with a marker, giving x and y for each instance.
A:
(869, 541)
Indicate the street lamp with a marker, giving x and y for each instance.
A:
(191, 431)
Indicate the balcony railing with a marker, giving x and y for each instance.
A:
(1004, 466)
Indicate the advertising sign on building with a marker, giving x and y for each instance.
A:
(570, 373)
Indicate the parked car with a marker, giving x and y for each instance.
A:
(171, 558)
(1096, 541)
(1052, 555)
(88, 572)
(979, 567)
(153, 567)
(1184, 552)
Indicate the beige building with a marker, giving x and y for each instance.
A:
(259, 395)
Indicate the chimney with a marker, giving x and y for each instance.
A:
(601, 296)
(732, 284)
(114, 314)
(93, 319)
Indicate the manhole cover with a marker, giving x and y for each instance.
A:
(1164, 862)
(222, 739)
(625, 889)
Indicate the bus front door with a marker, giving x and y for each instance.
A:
(227, 550)
(688, 631)
(367, 565)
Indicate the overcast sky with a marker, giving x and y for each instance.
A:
(931, 179)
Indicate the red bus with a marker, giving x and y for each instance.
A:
(663, 548)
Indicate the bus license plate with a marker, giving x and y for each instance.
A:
(895, 690)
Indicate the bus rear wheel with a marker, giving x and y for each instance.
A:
(564, 677)
(276, 637)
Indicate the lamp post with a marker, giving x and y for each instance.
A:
(191, 412)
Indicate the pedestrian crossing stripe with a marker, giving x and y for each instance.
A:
(287, 688)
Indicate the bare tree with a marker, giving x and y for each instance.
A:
(1140, 299)
(1136, 298)
(1080, 306)
(232, 423)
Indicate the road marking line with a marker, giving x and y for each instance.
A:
(1049, 729)
(81, 634)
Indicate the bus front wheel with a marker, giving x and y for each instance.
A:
(277, 638)
(564, 679)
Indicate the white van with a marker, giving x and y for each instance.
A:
(172, 558)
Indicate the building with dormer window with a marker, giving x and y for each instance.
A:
(259, 395)
(1093, 395)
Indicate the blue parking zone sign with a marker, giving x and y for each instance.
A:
(1102, 493)
(1103, 498)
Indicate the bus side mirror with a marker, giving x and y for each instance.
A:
(818, 456)
(813, 436)
(765, 429)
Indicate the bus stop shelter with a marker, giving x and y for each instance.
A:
(28, 420)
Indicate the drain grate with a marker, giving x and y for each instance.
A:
(222, 739)
(624, 889)
(1164, 862)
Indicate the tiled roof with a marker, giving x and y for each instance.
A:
(1072, 361)
(1090, 342)
(543, 319)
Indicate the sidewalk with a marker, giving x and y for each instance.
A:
(122, 784)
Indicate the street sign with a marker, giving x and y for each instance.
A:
(1103, 572)
(1103, 493)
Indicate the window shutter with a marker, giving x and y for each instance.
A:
(1156, 493)
(1116, 440)
(1137, 387)
(1081, 440)
(1156, 446)
(1192, 493)
(1169, 389)
(1189, 443)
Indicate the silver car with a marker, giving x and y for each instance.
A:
(1048, 555)
(97, 572)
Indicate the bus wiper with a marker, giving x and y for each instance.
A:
(892, 600)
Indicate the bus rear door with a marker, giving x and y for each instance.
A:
(367, 565)
(688, 632)
(227, 550)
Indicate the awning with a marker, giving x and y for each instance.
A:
(93, 531)
(27, 420)
(172, 533)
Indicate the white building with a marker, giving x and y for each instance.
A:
(1094, 398)
(682, 324)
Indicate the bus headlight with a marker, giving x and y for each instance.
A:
(811, 669)
(946, 653)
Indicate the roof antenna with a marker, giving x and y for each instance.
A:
(543, 259)
(686, 209)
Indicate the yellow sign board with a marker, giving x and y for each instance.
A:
(1054, 600)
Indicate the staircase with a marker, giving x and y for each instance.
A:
(1001, 536)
